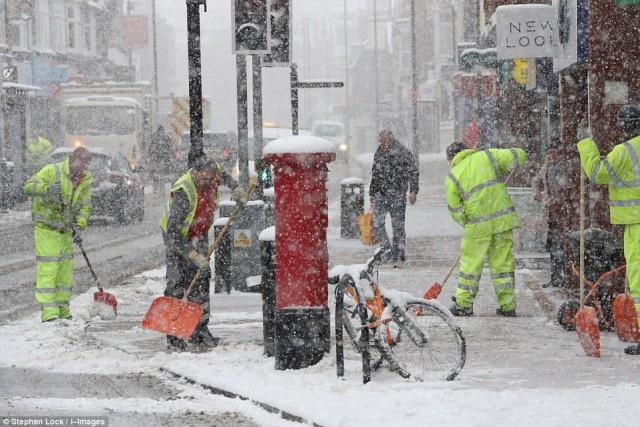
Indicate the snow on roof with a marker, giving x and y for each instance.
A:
(20, 86)
(102, 100)
(299, 144)
(352, 180)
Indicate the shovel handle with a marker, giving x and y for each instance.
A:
(451, 270)
(213, 247)
(581, 238)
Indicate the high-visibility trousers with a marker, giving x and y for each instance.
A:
(54, 260)
(632, 258)
(498, 250)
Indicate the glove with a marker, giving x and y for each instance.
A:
(240, 196)
(77, 237)
(198, 260)
(53, 191)
(583, 131)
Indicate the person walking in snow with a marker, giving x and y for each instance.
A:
(619, 170)
(185, 224)
(478, 200)
(394, 172)
(61, 209)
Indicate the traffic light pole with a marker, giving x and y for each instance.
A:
(243, 120)
(295, 85)
(258, 163)
(195, 79)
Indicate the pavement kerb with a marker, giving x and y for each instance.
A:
(288, 416)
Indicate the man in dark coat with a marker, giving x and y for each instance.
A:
(394, 172)
(160, 155)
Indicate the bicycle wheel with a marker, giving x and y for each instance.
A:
(428, 344)
(351, 325)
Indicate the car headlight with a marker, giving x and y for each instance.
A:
(342, 147)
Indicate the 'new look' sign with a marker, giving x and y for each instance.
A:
(526, 31)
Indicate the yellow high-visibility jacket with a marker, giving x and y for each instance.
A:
(476, 194)
(72, 206)
(621, 171)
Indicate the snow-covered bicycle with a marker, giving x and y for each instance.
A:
(415, 337)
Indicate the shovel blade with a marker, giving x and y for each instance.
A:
(433, 292)
(102, 297)
(172, 316)
(625, 319)
(588, 331)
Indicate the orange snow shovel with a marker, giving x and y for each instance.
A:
(586, 317)
(434, 291)
(625, 318)
(101, 298)
(179, 317)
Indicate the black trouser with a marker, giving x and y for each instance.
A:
(180, 273)
(555, 247)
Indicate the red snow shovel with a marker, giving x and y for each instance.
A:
(101, 298)
(434, 291)
(179, 317)
(625, 318)
(586, 317)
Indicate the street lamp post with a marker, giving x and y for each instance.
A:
(415, 143)
(375, 62)
(346, 75)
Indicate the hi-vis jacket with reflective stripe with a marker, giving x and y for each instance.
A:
(476, 194)
(73, 205)
(621, 171)
(185, 182)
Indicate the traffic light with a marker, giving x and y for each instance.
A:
(280, 55)
(252, 28)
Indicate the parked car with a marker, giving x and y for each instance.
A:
(334, 131)
(220, 146)
(117, 189)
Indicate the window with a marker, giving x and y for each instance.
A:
(3, 37)
(40, 24)
(104, 120)
(73, 27)
(88, 23)
(60, 29)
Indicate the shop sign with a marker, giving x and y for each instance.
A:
(526, 31)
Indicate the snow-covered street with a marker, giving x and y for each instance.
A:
(524, 370)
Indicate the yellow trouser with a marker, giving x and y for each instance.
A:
(498, 249)
(632, 258)
(54, 257)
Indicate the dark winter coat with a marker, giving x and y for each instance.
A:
(394, 171)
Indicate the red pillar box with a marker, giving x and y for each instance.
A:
(301, 219)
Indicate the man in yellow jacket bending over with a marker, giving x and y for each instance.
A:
(478, 200)
(621, 171)
(61, 209)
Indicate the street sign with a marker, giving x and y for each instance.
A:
(310, 84)
(526, 31)
(251, 27)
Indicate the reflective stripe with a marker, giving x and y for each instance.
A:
(493, 162)
(480, 187)
(491, 216)
(503, 275)
(503, 286)
(62, 288)
(453, 178)
(59, 226)
(617, 182)
(516, 158)
(469, 277)
(630, 202)
(49, 304)
(634, 162)
(458, 209)
(46, 290)
(594, 174)
(47, 259)
(63, 304)
(636, 300)
(470, 288)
